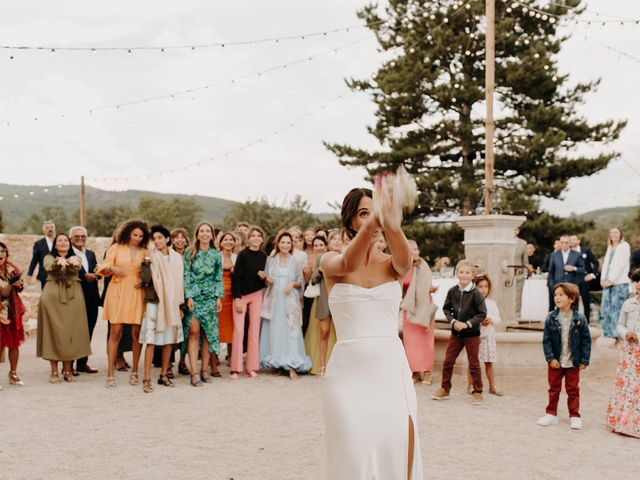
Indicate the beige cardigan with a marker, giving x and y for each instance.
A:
(417, 301)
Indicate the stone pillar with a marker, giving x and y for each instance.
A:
(490, 243)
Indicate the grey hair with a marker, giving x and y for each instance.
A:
(77, 227)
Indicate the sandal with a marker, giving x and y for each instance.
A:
(250, 374)
(53, 378)
(14, 379)
(133, 379)
(233, 376)
(496, 392)
(111, 382)
(183, 370)
(170, 374)
(216, 373)
(198, 383)
(205, 376)
(293, 375)
(68, 377)
(166, 381)
(146, 386)
(322, 371)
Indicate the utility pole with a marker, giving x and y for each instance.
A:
(489, 80)
(83, 209)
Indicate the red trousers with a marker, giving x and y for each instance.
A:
(455, 346)
(571, 385)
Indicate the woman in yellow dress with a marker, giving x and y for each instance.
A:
(124, 302)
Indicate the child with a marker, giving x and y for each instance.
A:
(465, 309)
(487, 354)
(623, 413)
(567, 348)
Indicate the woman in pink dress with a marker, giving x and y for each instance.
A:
(417, 319)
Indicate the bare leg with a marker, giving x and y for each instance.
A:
(136, 346)
(206, 355)
(14, 354)
(54, 367)
(411, 448)
(148, 359)
(325, 328)
(67, 370)
(166, 359)
(192, 346)
(112, 348)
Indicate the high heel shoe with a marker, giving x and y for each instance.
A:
(14, 379)
(133, 379)
(111, 382)
(166, 381)
(146, 386)
(68, 377)
(205, 376)
(197, 383)
(53, 378)
(322, 371)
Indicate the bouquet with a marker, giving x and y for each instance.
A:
(393, 195)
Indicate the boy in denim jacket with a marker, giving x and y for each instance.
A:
(567, 349)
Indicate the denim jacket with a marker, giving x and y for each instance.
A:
(579, 338)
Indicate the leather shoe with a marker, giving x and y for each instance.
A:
(87, 369)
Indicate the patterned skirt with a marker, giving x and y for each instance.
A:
(612, 300)
(623, 412)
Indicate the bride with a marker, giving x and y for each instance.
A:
(369, 397)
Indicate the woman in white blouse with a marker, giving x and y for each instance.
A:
(614, 281)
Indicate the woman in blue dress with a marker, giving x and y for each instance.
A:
(281, 340)
(204, 290)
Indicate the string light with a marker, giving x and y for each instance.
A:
(192, 47)
(191, 91)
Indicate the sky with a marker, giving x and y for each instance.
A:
(66, 141)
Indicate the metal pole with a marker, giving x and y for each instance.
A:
(82, 203)
(490, 49)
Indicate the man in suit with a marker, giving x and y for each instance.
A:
(41, 249)
(565, 265)
(521, 258)
(547, 257)
(89, 283)
(591, 267)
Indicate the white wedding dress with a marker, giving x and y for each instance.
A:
(369, 397)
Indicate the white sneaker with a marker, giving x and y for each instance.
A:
(548, 420)
(576, 423)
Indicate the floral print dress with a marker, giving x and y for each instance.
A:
(623, 412)
(203, 283)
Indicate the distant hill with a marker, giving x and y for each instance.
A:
(610, 216)
(16, 210)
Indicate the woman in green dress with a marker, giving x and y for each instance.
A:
(204, 291)
(63, 332)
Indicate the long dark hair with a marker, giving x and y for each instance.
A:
(54, 250)
(196, 242)
(123, 234)
(350, 208)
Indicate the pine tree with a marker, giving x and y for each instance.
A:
(430, 105)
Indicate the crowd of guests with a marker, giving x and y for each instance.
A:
(168, 294)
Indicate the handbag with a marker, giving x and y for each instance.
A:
(312, 291)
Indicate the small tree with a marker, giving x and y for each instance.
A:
(271, 216)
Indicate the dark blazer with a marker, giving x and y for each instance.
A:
(579, 338)
(635, 260)
(40, 250)
(90, 289)
(591, 263)
(556, 269)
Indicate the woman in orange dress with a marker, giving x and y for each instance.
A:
(225, 317)
(124, 302)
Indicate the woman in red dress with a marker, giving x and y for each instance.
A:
(11, 311)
